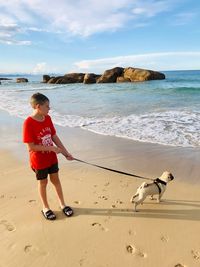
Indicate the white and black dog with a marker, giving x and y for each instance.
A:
(157, 187)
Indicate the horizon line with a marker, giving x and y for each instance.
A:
(59, 73)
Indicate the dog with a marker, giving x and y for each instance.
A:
(158, 187)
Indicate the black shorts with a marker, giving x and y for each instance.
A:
(43, 173)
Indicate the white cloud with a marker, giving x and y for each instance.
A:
(82, 18)
(17, 10)
(150, 8)
(35, 29)
(79, 18)
(156, 61)
(8, 32)
(40, 68)
(13, 42)
(43, 67)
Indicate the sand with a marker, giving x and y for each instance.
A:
(104, 231)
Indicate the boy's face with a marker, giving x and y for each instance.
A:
(43, 109)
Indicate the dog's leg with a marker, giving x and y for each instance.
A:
(135, 205)
(152, 197)
(159, 197)
(132, 199)
(139, 201)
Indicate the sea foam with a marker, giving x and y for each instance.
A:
(175, 128)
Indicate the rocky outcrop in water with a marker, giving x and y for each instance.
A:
(46, 78)
(110, 76)
(21, 80)
(5, 79)
(91, 78)
(117, 74)
(140, 75)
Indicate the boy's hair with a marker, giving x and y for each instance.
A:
(38, 98)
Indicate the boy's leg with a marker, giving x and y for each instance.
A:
(42, 186)
(56, 182)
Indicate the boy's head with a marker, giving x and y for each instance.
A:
(38, 99)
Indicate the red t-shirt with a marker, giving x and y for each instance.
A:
(40, 133)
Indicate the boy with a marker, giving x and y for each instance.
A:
(40, 136)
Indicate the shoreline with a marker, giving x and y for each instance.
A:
(140, 158)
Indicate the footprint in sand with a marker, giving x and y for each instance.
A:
(95, 202)
(32, 201)
(13, 197)
(136, 252)
(195, 254)
(179, 265)
(77, 202)
(103, 197)
(29, 249)
(118, 201)
(81, 262)
(130, 232)
(100, 226)
(9, 227)
(2, 196)
(164, 238)
(106, 184)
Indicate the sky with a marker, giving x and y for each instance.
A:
(48, 36)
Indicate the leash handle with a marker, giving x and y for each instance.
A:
(108, 169)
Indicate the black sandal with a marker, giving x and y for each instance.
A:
(49, 215)
(68, 211)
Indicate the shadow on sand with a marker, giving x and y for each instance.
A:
(171, 210)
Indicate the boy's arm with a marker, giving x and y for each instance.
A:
(59, 144)
(33, 147)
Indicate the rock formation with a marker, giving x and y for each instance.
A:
(110, 76)
(21, 80)
(46, 78)
(5, 79)
(139, 75)
(91, 78)
(117, 74)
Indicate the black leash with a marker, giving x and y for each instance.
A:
(112, 170)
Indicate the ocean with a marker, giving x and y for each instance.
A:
(164, 112)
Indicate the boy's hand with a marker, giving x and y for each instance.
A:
(56, 149)
(69, 157)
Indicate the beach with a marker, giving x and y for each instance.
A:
(104, 231)
(120, 83)
(115, 87)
